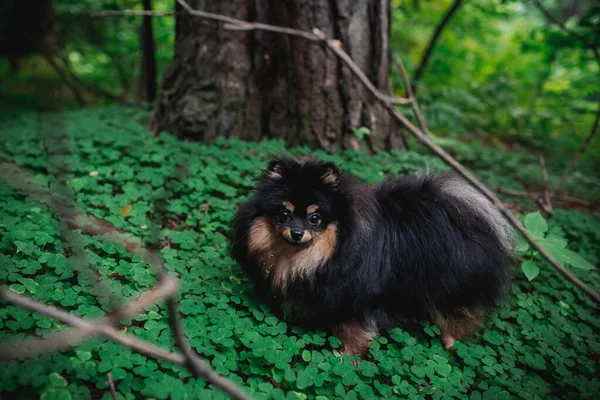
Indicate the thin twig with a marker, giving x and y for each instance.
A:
(111, 386)
(437, 33)
(552, 19)
(411, 96)
(240, 25)
(34, 347)
(547, 204)
(141, 13)
(557, 197)
(194, 363)
(63, 76)
(92, 89)
(93, 329)
(336, 47)
(198, 367)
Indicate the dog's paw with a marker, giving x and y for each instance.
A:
(448, 342)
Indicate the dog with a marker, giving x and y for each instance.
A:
(329, 253)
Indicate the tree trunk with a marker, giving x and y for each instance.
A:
(27, 28)
(148, 55)
(256, 85)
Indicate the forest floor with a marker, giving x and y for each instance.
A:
(542, 342)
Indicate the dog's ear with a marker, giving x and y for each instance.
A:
(275, 169)
(278, 168)
(331, 174)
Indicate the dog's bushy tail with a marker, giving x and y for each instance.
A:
(467, 200)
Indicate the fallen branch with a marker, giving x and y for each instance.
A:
(32, 347)
(140, 13)
(91, 329)
(557, 197)
(63, 77)
(546, 203)
(111, 386)
(93, 90)
(238, 25)
(336, 47)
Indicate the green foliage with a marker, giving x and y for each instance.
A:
(542, 342)
(553, 242)
(104, 51)
(500, 72)
(361, 132)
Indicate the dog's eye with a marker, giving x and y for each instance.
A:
(283, 216)
(314, 219)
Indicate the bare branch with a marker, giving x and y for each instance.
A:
(399, 100)
(432, 42)
(90, 328)
(411, 96)
(240, 25)
(90, 88)
(557, 197)
(63, 77)
(553, 20)
(547, 204)
(140, 13)
(199, 367)
(111, 386)
(34, 347)
(336, 47)
(194, 363)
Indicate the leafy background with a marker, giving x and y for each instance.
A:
(541, 343)
(499, 73)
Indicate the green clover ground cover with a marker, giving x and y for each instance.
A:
(541, 343)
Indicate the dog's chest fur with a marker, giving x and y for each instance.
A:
(280, 262)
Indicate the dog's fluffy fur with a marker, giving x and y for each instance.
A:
(416, 246)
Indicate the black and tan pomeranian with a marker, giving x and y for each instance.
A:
(329, 253)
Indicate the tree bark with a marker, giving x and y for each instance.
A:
(256, 85)
(148, 55)
(27, 29)
(432, 42)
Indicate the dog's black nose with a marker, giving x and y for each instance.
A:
(297, 235)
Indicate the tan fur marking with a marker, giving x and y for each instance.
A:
(287, 233)
(329, 178)
(355, 337)
(456, 327)
(303, 261)
(311, 209)
(275, 174)
(261, 236)
(289, 206)
(283, 261)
